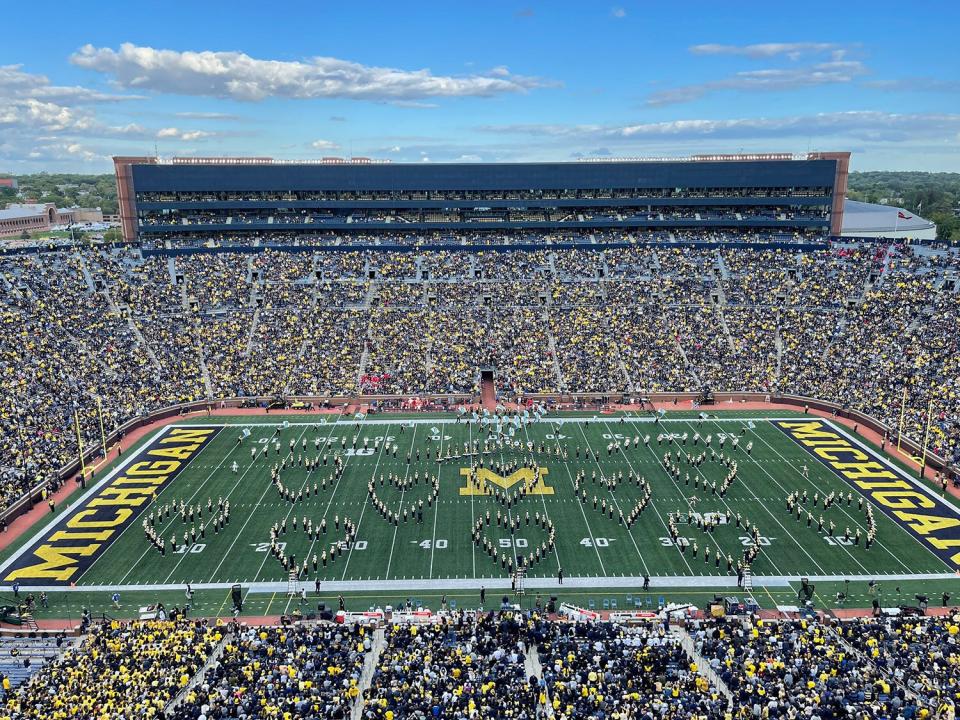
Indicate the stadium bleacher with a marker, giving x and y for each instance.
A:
(508, 663)
(112, 329)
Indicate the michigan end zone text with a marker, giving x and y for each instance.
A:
(931, 521)
(66, 549)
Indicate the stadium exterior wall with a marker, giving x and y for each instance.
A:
(565, 401)
(135, 176)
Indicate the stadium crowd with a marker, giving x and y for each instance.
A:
(121, 670)
(109, 331)
(604, 670)
(302, 671)
(471, 667)
(505, 664)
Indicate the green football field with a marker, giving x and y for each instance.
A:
(592, 548)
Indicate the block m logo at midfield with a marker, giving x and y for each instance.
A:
(489, 477)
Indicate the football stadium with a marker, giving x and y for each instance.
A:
(608, 438)
(596, 391)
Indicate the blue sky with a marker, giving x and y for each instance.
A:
(494, 81)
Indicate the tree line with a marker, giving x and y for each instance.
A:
(934, 196)
(65, 190)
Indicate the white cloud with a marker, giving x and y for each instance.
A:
(15, 83)
(618, 12)
(238, 76)
(766, 80)
(792, 50)
(46, 116)
(208, 116)
(411, 104)
(172, 133)
(324, 145)
(862, 125)
(916, 84)
(63, 153)
(50, 125)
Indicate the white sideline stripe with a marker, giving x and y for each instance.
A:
(83, 498)
(612, 419)
(659, 584)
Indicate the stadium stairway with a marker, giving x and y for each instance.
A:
(85, 273)
(364, 359)
(370, 663)
(251, 337)
(686, 642)
(533, 668)
(135, 330)
(628, 382)
(655, 258)
(722, 266)
(726, 328)
(552, 345)
(212, 660)
(687, 365)
(369, 296)
(28, 620)
(778, 344)
(204, 370)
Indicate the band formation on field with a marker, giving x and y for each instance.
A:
(492, 499)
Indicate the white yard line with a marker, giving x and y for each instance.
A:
(776, 482)
(473, 545)
(328, 443)
(543, 500)
(190, 501)
(449, 421)
(820, 469)
(593, 541)
(268, 487)
(436, 507)
(749, 489)
(406, 474)
(723, 500)
(646, 570)
(513, 543)
(666, 528)
(162, 490)
(363, 507)
(590, 582)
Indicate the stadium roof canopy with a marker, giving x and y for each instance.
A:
(862, 219)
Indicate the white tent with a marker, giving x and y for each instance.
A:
(862, 219)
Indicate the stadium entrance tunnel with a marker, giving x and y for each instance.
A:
(488, 392)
